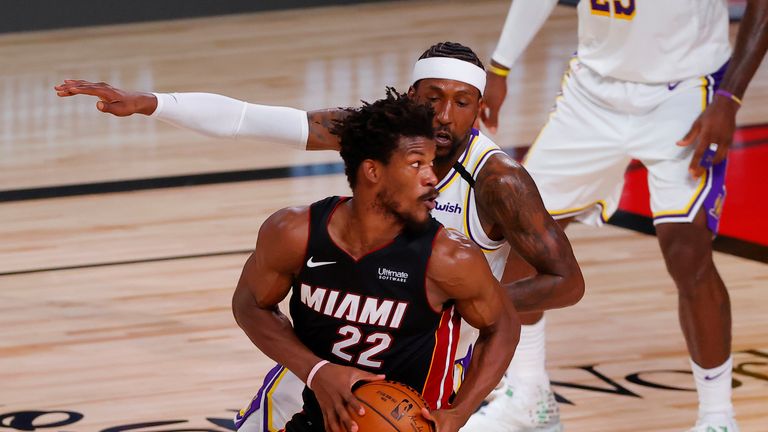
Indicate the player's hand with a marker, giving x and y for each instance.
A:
(493, 97)
(714, 126)
(445, 420)
(111, 100)
(332, 385)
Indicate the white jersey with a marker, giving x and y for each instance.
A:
(653, 41)
(456, 208)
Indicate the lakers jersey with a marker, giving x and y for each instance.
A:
(372, 312)
(456, 208)
(653, 41)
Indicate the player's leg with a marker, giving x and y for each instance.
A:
(579, 170)
(278, 399)
(686, 213)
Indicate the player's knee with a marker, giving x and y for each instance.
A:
(688, 262)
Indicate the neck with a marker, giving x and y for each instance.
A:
(361, 225)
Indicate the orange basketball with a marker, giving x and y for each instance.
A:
(391, 407)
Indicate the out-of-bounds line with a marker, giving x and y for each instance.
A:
(118, 263)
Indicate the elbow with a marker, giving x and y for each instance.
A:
(571, 286)
(239, 308)
(575, 283)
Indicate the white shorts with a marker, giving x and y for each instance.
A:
(279, 398)
(600, 124)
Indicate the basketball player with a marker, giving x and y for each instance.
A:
(378, 285)
(483, 193)
(649, 82)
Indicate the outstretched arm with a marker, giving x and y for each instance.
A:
(216, 115)
(508, 197)
(718, 121)
(265, 281)
(524, 19)
(459, 272)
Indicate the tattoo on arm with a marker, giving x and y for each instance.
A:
(320, 124)
(509, 200)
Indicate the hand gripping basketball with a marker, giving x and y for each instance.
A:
(332, 385)
(392, 407)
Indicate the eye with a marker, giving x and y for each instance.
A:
(462, 103)
(416, 164)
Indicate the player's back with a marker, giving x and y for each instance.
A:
(653, 41)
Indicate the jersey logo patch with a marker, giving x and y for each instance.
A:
(312, 264)
(391, 275)
(448, 207)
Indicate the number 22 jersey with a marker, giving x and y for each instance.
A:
(373, 313)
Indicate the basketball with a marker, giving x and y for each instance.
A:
(391, 406)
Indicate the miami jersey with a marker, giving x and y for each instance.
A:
(653, 41)
(456, 208)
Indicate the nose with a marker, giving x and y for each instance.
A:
(430, 178)
(443, 113)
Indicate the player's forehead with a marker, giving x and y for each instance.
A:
(415, 146)
(445, 86)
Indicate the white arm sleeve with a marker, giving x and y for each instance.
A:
(222, 116)
(524, 19)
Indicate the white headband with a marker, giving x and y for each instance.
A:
(449, 68)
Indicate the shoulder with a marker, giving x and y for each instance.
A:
(289, 221)
(453, 254)
(283, 237)
(504, 178)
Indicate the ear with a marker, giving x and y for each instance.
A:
(371, 170)
(411, 92)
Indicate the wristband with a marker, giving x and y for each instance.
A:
(314, 370)
(729, 95)
(498, 71)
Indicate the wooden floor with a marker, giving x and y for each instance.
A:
(116, 307)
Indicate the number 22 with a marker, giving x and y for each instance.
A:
(352, 336)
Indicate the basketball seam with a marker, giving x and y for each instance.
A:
(381, 415)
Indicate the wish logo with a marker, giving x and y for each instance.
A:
(448, 207)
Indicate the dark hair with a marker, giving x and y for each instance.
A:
(453, 50)
(373, 130)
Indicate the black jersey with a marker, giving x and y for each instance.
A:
(372, 313)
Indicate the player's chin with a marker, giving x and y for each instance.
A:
(418, 220)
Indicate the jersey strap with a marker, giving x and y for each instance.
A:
(464, 173)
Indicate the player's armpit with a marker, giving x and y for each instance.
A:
(508, 199)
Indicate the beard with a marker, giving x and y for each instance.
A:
(456, 143)
(411, 224)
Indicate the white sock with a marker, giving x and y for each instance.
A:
(528, 366)
(714, 388)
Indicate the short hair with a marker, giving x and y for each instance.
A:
(373, 130)
(453, 50)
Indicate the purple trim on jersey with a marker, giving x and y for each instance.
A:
(266, 386)
(713, 196)
(467, 221)
(472, 135)
(714, 191)
(713, 202)
(464, 361)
